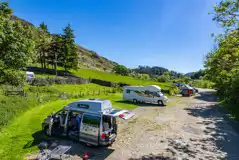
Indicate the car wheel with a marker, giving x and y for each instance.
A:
(135, 101)
(160, 102)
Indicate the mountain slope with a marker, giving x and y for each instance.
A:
(87, 58)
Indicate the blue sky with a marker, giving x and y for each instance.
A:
(168, 33)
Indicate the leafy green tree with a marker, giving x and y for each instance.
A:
(70, 50)
(226, 13)
(55, 52)
(222, 63)
(43, 42)
(16, 47)
(121, 69)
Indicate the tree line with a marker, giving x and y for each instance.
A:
(22, 45)
(222, 63)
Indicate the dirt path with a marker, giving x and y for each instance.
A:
(189, 128)
(192, 129)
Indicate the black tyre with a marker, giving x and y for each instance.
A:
(135, 101)
(160, 103)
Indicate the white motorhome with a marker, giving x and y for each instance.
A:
(145, 94)
(92, 121)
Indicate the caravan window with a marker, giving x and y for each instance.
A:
(128, 91)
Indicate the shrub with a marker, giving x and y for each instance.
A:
(163, 78)
(202, 84)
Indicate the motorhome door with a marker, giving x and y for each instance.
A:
(89, 129)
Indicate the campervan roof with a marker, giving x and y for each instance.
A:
(91, 105)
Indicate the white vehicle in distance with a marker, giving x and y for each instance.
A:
(144, 94)
(30, 76)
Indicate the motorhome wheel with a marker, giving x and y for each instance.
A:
(135, 101)
(160, 102)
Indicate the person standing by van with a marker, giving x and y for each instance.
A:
(78, 118)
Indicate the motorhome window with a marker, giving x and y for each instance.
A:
(139, 93)
(91, 120)
(84, 106)
(128, 91)
(147, 92)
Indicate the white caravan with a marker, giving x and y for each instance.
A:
(145, 94)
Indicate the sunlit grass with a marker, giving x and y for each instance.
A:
(89, 73)
(18, 134)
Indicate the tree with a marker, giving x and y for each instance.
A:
(44, 40)
(226, 13)
(55, 52)
(222, 63)
(70, 50)
(16, 47)
(121, 69)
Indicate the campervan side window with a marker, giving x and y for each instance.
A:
(84, 106)
(128, 91)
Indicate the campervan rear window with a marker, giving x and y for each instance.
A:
(91, 120)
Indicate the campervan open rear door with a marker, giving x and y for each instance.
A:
(89, 129)
(124, 114)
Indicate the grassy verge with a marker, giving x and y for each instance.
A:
(12, 106)
(17, 138)
(233, 110)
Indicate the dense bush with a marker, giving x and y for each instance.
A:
(163, 78)
(121, 69)
(50, 81)
(202, 84)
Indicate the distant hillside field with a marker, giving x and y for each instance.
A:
(89, 73)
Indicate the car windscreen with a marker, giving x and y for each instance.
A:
(91, 120)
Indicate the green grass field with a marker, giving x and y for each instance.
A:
(89, 73)
(21, 119)
(16, 140)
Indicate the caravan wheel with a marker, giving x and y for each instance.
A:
(160, 102)
(135, 101)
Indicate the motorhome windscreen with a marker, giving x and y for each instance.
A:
(91, 120)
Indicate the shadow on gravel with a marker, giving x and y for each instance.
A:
(152, 157)
(139, 104)
(218, 127)
(207, 96)
(78, 149)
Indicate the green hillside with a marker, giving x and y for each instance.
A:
(89, 73)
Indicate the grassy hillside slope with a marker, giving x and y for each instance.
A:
(89, 73)
(87, 58)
